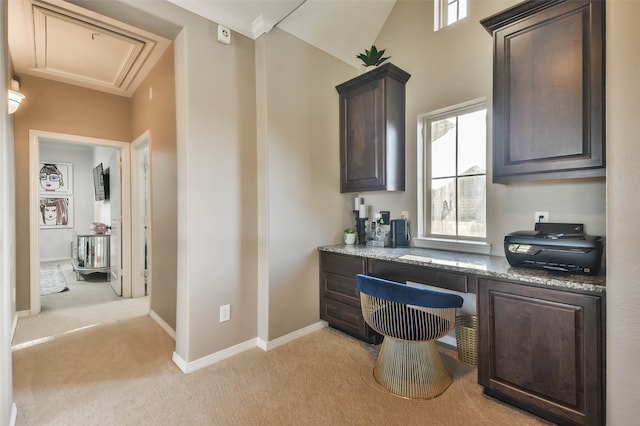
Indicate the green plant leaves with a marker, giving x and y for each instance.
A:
(372, 56)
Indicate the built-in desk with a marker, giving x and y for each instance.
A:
(541, 334)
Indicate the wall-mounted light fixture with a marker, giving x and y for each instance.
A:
(15, 97)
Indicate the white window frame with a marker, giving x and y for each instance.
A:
(441, 13)
(424, 239)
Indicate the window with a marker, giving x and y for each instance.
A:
(453, 180)
(447, 12)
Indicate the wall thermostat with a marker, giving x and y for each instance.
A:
(224, 34)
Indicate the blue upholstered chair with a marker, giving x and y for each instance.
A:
(410, 319)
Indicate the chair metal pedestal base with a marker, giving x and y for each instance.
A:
(411, 369)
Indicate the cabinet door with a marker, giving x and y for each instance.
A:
(372, 122)
(548, 107)
(541, 350)
(362, 158)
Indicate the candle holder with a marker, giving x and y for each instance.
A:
(361, 228)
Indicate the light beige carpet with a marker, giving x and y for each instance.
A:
(89, 302)
(122, 374)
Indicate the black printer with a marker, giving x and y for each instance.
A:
(555, 246)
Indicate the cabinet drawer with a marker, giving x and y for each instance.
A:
(340, 264)
(340, 288)
(419, 274)
(348, 319)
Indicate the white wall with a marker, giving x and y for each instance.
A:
(55, 244)
(7, 235)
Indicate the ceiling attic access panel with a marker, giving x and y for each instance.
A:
(548, 90)
(372, 130)
(60, 41)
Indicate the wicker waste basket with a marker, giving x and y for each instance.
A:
(467, 338)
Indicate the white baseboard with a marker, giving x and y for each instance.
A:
(166, 327)
(14, 415)
(189, 367)
(15, 321)
(272, 344)
(14, 325)
(55, 259)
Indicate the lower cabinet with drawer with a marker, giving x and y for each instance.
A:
(339, 298)
(541, 349)
(402, 272)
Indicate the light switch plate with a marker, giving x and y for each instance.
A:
(225, 313)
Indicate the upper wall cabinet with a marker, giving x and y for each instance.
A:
(372, 120)
(548, 90)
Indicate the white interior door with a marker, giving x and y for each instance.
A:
(140, 247)
(116, 222)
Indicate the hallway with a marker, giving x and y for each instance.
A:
(87, 303)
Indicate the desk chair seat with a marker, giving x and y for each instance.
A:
(411, 319)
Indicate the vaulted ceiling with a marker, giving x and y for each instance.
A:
(72, 42)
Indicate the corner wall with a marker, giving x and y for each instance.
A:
(455, 65)
(154, 109)
(623, 175)
(299, 185)
(7, 232)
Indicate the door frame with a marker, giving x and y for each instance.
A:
(35, 136)
(138, 201)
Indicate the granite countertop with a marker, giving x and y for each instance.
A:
(477, 264)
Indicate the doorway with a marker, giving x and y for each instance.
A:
(123, 149)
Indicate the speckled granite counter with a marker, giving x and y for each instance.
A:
(480, 265)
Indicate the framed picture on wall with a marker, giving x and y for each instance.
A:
(56, 178)
(56, 212)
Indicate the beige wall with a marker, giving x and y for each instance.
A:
(216, 193)
(158, 116)
(299, 180)
(61, 108)
(218, 181)
(451, 66)
(623, 175)
(218, 172)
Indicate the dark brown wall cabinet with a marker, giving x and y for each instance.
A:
(339, 298)
(548, 90)
(372, 130)
(542, 350)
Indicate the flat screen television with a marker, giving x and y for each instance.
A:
(101, 182)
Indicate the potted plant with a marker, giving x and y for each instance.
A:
(349, 236)
(371, 58)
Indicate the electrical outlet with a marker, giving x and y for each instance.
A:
(541, 217)
(404, 215)
(225, 313)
